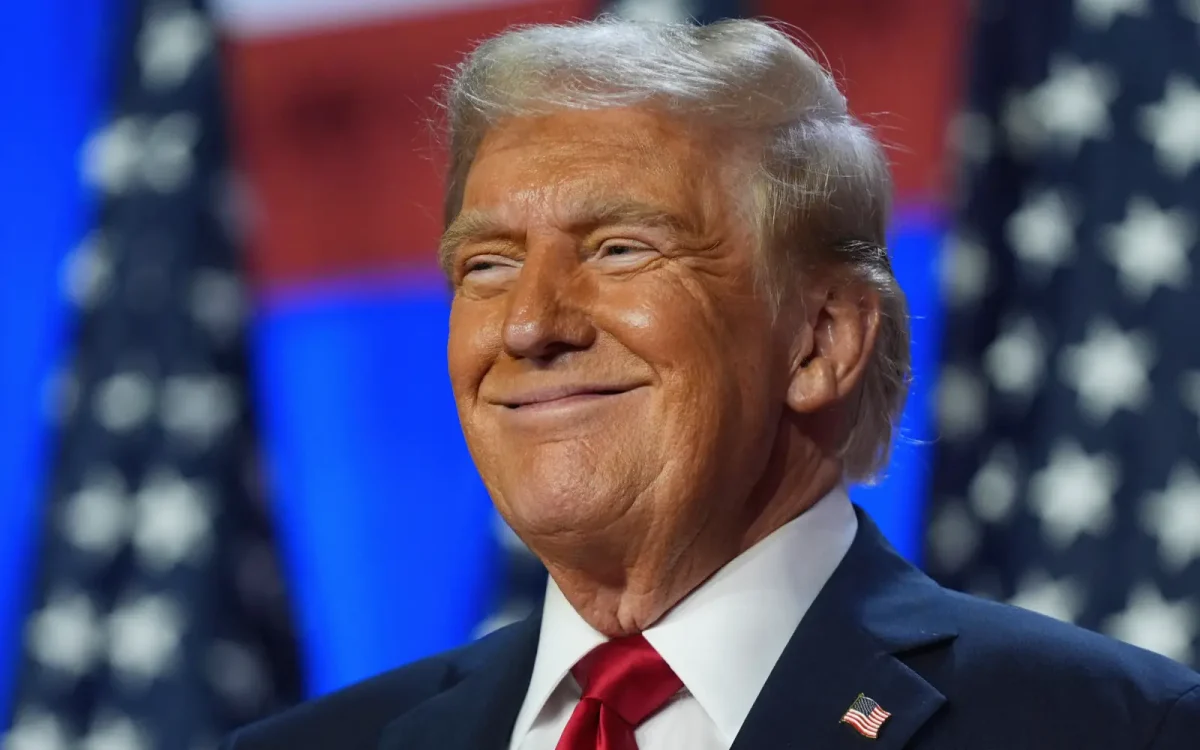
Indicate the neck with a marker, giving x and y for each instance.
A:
(624, 591)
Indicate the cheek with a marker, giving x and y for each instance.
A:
(711, 346)
(702, 331)
(685, 346)
(473, 343)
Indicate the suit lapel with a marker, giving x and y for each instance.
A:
(874, 608)
(478, 711)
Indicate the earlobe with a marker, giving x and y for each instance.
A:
(813, 385)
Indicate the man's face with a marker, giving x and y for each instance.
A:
(616, 370)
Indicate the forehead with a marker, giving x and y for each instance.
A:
(553, 161)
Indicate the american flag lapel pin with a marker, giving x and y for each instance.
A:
(866, 716)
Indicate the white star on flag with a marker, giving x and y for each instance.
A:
(112, 155)
(961, 398)
(1173, 126)
(1042, 231)
(1069, 107)
(87, 271)
(144, 637)
(115, 733)
(123, 401)
(953, 536)
(993, 489)
(1062, 599)
(1109, 370)
(1191, 10)
(65, 634)
(218, 303)
(964, 270)
(1152, 622)
(167, 162)
(1073, 494)
(173, 40)
(1102, 13)
(37, 730)
(1173, 518)
(1016, 359)
(1150, 248)
(198, 408)
(96, 518)
(174, 520)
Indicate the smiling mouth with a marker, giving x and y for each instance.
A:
(574, 398)
(555, 397)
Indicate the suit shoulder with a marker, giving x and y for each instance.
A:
(1015, 678)
(351, 717)
(354, 717)
(1037, 654)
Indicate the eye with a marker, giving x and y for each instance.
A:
(487, 271)
(485, 263)
(479, 265)
(625, 251)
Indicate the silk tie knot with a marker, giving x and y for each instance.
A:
(627, 676)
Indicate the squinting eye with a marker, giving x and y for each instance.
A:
(622, 250)
(486, 264)
(479, 265)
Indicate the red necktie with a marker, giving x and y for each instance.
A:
(624, 683)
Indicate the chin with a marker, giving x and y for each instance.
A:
(540, 504)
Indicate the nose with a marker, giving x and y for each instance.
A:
(547, 314)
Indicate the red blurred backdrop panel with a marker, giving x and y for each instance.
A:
(335, 135)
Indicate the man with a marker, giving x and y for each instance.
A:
(675, 337)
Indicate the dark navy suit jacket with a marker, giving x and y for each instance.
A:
(955, 672)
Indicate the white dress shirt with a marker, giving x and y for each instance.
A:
(722, 640)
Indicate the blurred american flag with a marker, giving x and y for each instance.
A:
(159, 618)
(1067, 478)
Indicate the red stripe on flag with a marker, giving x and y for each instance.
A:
(331, 131)
(866, 724)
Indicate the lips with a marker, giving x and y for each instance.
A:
(560, 393)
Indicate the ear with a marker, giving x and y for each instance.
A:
(834, 343)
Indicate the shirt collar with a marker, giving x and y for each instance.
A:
(725, 637)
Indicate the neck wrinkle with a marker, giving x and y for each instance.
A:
(657, 572)
(649, 588)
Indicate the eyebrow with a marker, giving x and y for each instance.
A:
(477, 225)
